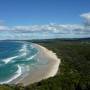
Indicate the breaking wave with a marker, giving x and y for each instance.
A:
(13, 57)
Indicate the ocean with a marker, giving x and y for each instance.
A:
(15, 59)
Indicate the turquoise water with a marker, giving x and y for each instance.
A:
(15, 57)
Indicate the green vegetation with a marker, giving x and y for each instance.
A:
(74, 70)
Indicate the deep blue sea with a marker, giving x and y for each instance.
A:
(15, 57)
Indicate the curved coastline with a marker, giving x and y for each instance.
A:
(53, 60)
(41, 72)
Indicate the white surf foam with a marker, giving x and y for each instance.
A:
(18, 73)
(23, 50)
(31, 57)
(7, 60)
(32, 47)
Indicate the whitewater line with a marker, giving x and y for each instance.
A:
(18, 73)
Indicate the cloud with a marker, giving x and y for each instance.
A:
(86, 17)
(47, 28)
(46, 31)
(43, 31)
(4, 28)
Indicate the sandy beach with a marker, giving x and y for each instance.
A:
(41, 72)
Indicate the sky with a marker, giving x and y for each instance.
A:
(23, 12)
(32, 19)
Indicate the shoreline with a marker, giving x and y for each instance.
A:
(52, 59)
(43, 71)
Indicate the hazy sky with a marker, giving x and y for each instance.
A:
(23, 12)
